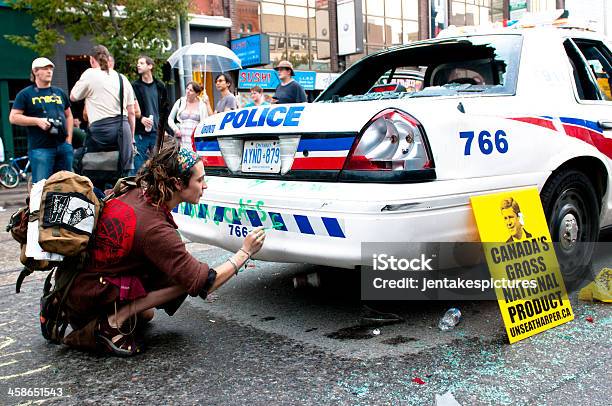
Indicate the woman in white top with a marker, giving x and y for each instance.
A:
(189, 111)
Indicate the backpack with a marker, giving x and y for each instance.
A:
(67, 217)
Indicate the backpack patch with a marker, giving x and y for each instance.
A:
(71, 211)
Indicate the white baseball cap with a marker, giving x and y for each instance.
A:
(41, 63)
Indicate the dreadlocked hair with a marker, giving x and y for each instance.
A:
(159, 174)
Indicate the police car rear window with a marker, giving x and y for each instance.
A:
(476, 64)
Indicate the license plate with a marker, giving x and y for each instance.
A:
(261, 156)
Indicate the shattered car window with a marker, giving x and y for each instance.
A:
(486, 64)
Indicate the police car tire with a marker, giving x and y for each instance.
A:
(571, 192)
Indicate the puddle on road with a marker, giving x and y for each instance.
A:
(400, 339)
(352, 333)
(360, 332)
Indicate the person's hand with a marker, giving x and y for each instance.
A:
(43, 123)
(254, 240)
(146, 121)
(177, 133)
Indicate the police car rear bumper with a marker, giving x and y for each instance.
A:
(326, 223)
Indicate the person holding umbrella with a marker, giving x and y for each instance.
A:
(209, 57)
(289, 91)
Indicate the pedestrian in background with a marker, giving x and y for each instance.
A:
(152, 99)
(189, 111)
(257, 97)
(228, 101)
(45, 111)
(288, 91)
(111, 119)
(78, 145)
(78, 134)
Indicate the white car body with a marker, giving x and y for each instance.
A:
(325, 222)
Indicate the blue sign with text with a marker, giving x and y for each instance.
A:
(252, 50)
(267, 79)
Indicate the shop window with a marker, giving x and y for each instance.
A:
(470, 12)
(375, 7)
(297, 21)
(543, 5)
(375, 30)
(273, 18)
(278, 50)
(410, 32)
(321, 50)
(393, 31)
(298, 53)
(410, 9)
(393, 8)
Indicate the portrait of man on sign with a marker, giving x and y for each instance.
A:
(513, 218)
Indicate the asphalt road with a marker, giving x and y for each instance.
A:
(260, 341)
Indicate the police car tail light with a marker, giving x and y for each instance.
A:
(231, 150)
(392, 141)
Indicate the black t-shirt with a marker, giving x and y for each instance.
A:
(290, 93)
(46, 102)
(151, 99)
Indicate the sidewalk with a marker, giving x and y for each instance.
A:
(10, 198)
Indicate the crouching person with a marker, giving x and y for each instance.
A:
(138, 261)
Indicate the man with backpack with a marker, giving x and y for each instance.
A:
(45, 112)
(109, 100)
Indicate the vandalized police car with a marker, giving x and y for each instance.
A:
(375, 161)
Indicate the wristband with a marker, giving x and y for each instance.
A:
(248, 255)
(231, 261)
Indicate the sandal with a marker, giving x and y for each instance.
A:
(115, 342)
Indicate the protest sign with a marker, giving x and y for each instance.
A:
(517, 246)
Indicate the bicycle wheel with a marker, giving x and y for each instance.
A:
(8, 176)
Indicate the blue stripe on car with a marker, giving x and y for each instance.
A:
(212, 145)
(277, 221)
(333, 227)
(325, 144)
(254, 218)
(591, 125)
(303, 224)
(218, 214)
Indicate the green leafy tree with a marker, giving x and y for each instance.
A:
(127, 28)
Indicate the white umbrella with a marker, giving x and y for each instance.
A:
(206, 57)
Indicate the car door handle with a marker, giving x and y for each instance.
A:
(605, 124)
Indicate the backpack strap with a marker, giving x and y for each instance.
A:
(25, 272)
